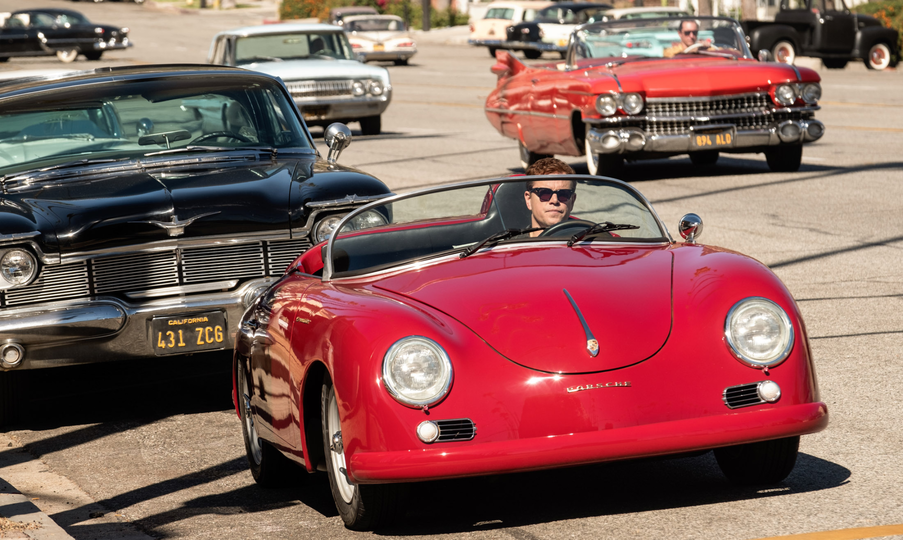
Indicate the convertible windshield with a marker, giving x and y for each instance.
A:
(661, 38)
(296, 46)
(131, 119)
(458, 219)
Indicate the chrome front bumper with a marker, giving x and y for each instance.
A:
(627, 140)
(106, 328)
(107, 46)
(387, 55)
(314, 110)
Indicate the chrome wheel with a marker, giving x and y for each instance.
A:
(337, 450)
(879, 57)
(254, 449)
(67, 56)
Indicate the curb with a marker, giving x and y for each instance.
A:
(20, 515)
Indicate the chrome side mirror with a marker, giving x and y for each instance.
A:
(338, 137)
(690, 227)
(764, 55)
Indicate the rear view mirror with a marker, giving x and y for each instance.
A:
(764, 55)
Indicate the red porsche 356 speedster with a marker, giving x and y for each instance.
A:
(653, 88)
(443, 334)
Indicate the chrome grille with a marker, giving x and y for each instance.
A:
(743, 395)
(55, 283)
(135, 272)
(145, 271)
(748, 103)
(461, 429)
(312, 89)
(680, 127)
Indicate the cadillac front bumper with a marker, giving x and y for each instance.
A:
(348, 109)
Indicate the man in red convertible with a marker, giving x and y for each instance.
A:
(549, 201)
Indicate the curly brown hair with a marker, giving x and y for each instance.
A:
(546, 166)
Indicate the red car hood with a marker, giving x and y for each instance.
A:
(699, 77)
(515, 301)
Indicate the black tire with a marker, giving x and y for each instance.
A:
(531, 54)
(362, 507)
(401, 62)
(527, 157)
(4, 59)
(93, 55)
(766, 462)
(371, 125)
(492, 51)
(835, 63)
(268, 466)
(705, 158)
(11, 392)
(784, 158)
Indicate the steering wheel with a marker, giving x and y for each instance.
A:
(218, 134)
(569, 227)
(694, 46)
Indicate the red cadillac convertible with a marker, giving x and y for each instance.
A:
(442, 334)
(654, 88)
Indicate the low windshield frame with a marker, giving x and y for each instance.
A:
(330, 273)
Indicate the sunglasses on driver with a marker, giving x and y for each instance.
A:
(691, 32)
(545, 194)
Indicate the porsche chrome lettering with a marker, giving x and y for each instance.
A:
(623, 384)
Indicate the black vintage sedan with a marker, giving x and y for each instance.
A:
(63, 32)
(142, 209)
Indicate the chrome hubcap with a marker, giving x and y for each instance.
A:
(337, 453)
(337, 445)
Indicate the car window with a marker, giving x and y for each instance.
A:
(375, 25)
(71, 19)
(19, 20)
(132, 119)
(529, 15)
(295, 46)
(506, 14)
(41, 20)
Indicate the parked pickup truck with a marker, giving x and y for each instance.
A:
(824, 29)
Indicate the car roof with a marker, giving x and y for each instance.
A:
(53, 11)
(17, 87)
(371, 17)
(662, 9)
(281, 28)
(526, 4)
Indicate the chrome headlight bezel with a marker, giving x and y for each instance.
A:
(786, 94)
(607, 104)
(358, 89)
(783, 342)
(327, 227)
(810, 93)
(632, 103)
(376, 88)
(11, 274)
(439, 387)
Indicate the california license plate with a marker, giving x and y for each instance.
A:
(189, 333)
(315, 112)
(712, 139)
(379, 47)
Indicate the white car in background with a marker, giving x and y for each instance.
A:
(318, 66)
(380, 37)
(491, 30)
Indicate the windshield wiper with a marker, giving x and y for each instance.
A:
(498, 237)
(186, 149)
(599, 228)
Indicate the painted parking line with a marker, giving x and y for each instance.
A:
(845, 534)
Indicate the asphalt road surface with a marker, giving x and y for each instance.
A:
(124, 451)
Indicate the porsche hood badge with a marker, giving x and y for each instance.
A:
(592, 345)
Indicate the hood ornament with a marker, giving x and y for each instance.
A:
(592, 344)
(176, 226)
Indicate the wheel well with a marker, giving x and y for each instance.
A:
(579, 129)
(310, 404)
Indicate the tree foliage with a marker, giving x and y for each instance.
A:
(412, 10)
(889, 12)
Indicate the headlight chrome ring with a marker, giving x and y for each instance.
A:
(417, 372)
(786, 94)
(632, 103)
(606, 104)
(811, 93)
(327, 226)
(758, 332)
(18, 267)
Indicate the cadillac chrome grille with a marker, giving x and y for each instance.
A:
(145, 271)
(749, 103)
(315, 89)
(742, 396)
(461, 429)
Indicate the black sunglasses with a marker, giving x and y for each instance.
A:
(693, 32)
(545, 194)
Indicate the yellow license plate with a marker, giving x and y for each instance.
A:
(721, 138)
(379, 47)
(189, 333)
(564, 42)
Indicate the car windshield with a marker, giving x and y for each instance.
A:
(375, 25)
(461, 220)
(296, 46)
(132, 119)
(500, 13)
(661, 38)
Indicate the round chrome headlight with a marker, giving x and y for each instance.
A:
(606, 104)
(17, 267)
(327, 227)
(785, 94)
(632, 103)
(758, 332)
(376, 88)
(365, 220)
(417, 372)
(357, 89)
(811, 93)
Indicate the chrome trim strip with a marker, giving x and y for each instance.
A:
(183, 289)
(704, 98)
(592, 344)
(527, 113)
(62, 323)
(17, 237)
(349, 199)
